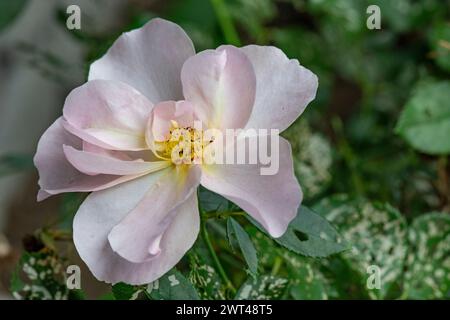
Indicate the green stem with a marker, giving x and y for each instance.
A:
(277, 265)
(215, 258)
(226, 22)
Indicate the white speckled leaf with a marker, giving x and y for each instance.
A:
(307, 282)
(172, 286)
(378, 234)
(263, 288)
(428, 262)
(44, 279)
(205, 279)
(312, 159)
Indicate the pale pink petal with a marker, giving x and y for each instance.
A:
(86, 183)
(42, 195)
(93, 163)
(137, 237)
(149, 59)
(165, 112)
(283, 88)
(272, 200)
(110, 114)
(56, 174)
(103, 210)
(221, 85)
(142, 155)
(121, 155)
(85, 136)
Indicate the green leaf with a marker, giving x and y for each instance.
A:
(172, 286)
(9, 10)
(425, 121)
(213, 202)
(68, 207)
(310, 235)
(235, 230)
(124, 291)
(378, 234)
(428, 263)
(263, 288)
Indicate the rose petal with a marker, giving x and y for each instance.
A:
(221, 85)
(283, 88)
(137, 237)
(149, 59)
(56, 174)
(107, 113)
(93, 163)
(121, 155)
(164, 112)
(101, 211)
(272, 200)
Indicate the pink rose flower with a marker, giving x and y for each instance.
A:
(113, 140)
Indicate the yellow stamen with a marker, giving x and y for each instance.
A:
(184, 146)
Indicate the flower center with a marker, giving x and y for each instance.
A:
(184, 145)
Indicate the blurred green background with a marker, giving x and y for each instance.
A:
(371, 152)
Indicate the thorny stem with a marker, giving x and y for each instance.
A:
(215, 258)
(226, 22)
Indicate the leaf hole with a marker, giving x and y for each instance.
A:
(301, 235)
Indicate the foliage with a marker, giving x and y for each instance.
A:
(378, 234)
(40, 273)
(266, 287)
(428, 261)
(205, 279)
(371, 154)
(172, 286)
(312, 158)
(310, 235)
(235, 231)
(425, 122)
